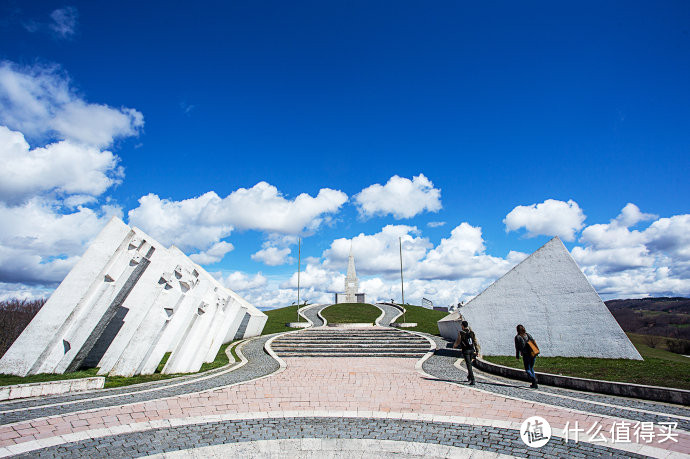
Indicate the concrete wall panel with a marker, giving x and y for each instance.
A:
(124, 304)
(552, 298)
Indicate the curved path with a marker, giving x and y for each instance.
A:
(391, 313)
(359, 405)
(312, 314)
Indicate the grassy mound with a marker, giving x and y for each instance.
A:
(659, 368)
(349, 313)
(426, 319)
(277, 318)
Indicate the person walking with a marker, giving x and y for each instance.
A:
(469, 347)
(525, 345)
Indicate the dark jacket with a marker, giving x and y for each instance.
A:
(521, 346)
(467, 341)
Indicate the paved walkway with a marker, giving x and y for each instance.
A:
(352, 406)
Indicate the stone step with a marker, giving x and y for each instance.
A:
(350, 351)
(377, 341)
(351, 343)
(344, 340)
(370, 330)
(305, 333)
(358, 354)
(348, 343)
(345, 344)
(344, 348)
(377, 338)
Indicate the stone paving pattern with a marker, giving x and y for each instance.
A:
(339, 448)
(312, 395)
(491, 439)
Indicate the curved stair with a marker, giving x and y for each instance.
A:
(351, 342)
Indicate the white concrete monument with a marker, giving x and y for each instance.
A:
(548, 294)
(126, 303)
(351, 284)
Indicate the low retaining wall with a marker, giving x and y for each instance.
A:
(655, 393)
(50, 388)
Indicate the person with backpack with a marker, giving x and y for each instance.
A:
(469, 347)
(525, 345)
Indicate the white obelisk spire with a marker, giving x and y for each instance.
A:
(351, 282)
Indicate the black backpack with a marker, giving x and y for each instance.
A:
(466, 341)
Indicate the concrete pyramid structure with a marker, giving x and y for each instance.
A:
(549, 294)
(126, 303)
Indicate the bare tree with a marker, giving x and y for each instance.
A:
(652, 340)
(15, 315)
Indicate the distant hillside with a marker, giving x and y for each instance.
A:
(669, 317)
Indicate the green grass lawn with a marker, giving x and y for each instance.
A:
(277, 318)
(348, 313)
(659, 368)
(8, 380)
(119, 381)
(426, 319)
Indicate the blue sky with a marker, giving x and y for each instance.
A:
(559, 115)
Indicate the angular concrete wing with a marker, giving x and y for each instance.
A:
(124, 305)
(548, 294)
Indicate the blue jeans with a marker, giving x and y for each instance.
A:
(529, 367)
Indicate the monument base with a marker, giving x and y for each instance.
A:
(342, 298)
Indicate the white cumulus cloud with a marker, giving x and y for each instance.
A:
(214, 254)
(400, 197)
(456, 269)
(549, 218)
(179, 222)
(198, 223)
(625, 262)
(262, 207)
(243, 282)
(462, 255)
(63, 167)
(54, 172)
(39, 102)
(379, 253)
(273, 256)
(39, 244)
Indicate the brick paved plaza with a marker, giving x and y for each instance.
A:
(316, 407)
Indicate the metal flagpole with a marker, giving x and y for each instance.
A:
(402, 288)
(299, 261)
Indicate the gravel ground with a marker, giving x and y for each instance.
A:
(311, 314)
(391, 313)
